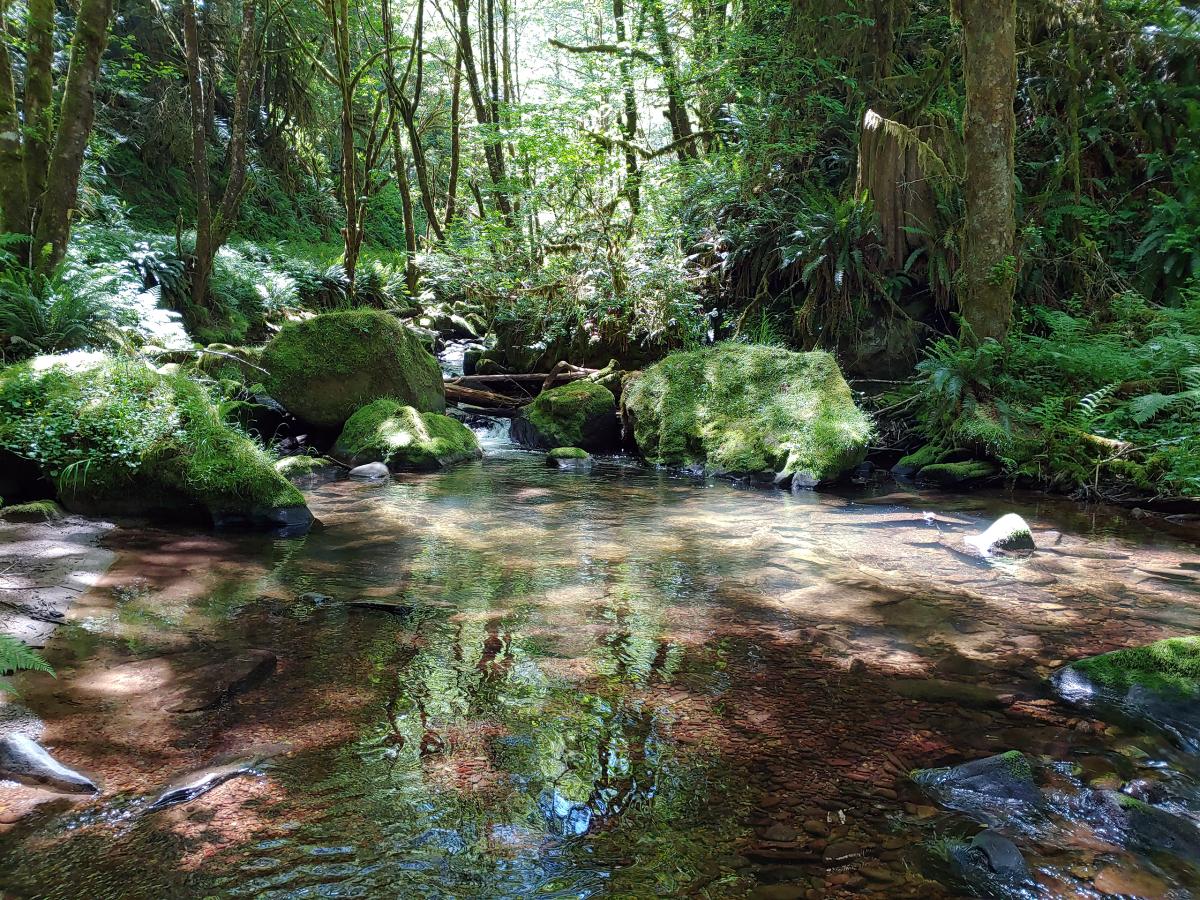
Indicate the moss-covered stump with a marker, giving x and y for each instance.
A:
(118, 438)
(748, 411)
(326, 368)
(580, 414)
(402, 437)
(1158, 684)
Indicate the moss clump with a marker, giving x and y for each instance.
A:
(580, 414)
(1018, 765)
(404, 438)
(748, 410)
(117, 437)
(569, 453)
(35, 511)
(295, 468)
(1169, 665)
(326, 368)
(957, 472)
(919, 459)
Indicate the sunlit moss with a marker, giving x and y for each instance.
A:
(402, 437)
(1172, 664)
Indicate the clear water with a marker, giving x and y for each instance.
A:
(618, 684)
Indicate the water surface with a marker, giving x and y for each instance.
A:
(507, 681)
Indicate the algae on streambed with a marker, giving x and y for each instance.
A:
(496, 681)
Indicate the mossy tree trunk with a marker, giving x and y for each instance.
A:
(989, 126)
(40, 165)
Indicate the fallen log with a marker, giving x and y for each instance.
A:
(458, 394)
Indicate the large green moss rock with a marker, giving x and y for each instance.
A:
(1158, 684)
(580, 414)
(325, 368)
(748, 411)
(402, 437)
(117, 437)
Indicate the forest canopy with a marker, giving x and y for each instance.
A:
(990, 213)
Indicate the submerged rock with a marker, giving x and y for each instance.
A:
(208, 686)
(580, 414)
(188, 787)
(992, 865)
(25, 760)
(118, 438)
(326, 368)
(1008, 534)
(1139, 826)
(981, 786)
(748, 411)
(1158, 684)
(401, 437)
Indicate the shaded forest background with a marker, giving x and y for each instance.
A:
(587, 180)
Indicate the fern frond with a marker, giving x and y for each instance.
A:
(16, 657)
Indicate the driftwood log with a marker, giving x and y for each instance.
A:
(472, 389)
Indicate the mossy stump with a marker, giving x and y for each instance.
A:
(581, 414)
(402, 437)
(326, 368)
(748, 411)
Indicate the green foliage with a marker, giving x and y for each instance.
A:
(16, 657)
(50, 314)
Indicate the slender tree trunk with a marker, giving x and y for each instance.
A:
(989, 236)
(39, 98)
(677, 112)
(76, 116)
(203, 255)
(629, 129)
(14, 198)
(455, 141)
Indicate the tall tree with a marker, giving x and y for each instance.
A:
(41, 156)
(989, 30)
(214, 226)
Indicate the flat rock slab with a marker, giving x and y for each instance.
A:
(187, 682)
(196, 784)
(45, 567)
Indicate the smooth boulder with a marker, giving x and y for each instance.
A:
(580, 414)
(402, 437)
(116, 437)
(25, 760)
(326, 368)
(747, 411)
(1010, 534)
(982, 786)
(570, 459)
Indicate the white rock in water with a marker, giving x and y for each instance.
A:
(370, 470)
(1008, 534)
(26, 761)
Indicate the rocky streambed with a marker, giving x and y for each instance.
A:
(507, 678)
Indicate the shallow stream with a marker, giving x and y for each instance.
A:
(503, 680)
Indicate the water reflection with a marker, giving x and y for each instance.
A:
(502, 681)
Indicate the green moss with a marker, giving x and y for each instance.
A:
(297, 467)
(1017, 763)
(748, 410)
(957, 472)
(579, 414)
(325, 368)
(117, 436)
(403, 437)
(569, 453)
(1172, 665)
(920, 458)
(35, 511)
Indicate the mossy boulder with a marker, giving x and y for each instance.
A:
(958, 473)
(326, 368)
(116, 437)
(402, 437)
(981, 786)
(571, 459)
(36, 511)
(303, 468)
(580, 414)
(1158, 684)
(748, 411)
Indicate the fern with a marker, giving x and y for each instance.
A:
(16, 657)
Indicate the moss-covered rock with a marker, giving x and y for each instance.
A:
(118, 438)
(1158, 684)
(748, 411)
(580, 414)
(958, 473)
(569, 453)
(570, 459)
(325, 368)
(912, 463)
(401, 437)
(302, 468)
(34, 511)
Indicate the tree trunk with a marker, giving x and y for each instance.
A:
(629, 129)
(455, 141)
(203, 255)
(677, 112)
(39, 99)
(14, 199)
(75, 119)
(989, 126)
